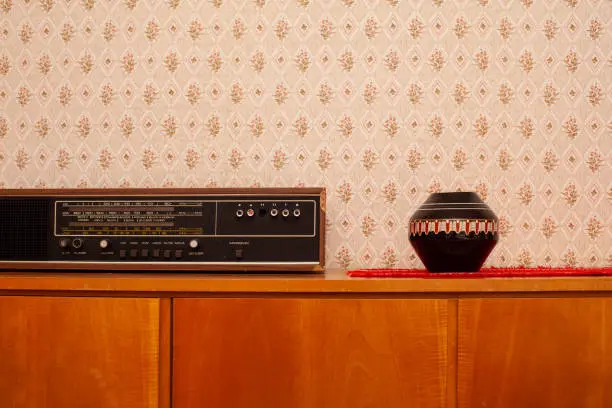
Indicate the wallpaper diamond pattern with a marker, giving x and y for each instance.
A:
(382, 102)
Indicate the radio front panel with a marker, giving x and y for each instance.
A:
(205, 229)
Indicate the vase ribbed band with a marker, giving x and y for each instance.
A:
(420, 227)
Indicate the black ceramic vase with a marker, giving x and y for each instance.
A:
(454, 232)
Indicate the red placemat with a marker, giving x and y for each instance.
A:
(515, 272)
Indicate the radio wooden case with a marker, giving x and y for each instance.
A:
(220, 229)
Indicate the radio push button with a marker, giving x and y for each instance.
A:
(122, 253)
(134, 253)
(156, 253)
(178, 254)
(144, 253)
(167, 254)
(239, 253)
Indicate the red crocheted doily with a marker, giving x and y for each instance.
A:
(514, 272)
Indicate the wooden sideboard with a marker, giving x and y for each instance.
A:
(103, 340)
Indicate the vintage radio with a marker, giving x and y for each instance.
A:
(261, 229)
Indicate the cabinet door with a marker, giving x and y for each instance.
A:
(78, 352)
(305, 353)
(535, 353)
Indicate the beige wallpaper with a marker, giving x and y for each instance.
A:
(380, 101)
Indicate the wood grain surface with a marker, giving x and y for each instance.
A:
(332, 281)
(78, 352)
(305, 353)
(540, 353)
(145, 267)
(171, 192)
(165, 353)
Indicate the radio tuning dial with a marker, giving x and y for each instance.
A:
(193, 244)
(104, 244)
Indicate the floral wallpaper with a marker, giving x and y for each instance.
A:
(380, 101)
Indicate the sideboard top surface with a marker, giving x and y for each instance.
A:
(331, 281)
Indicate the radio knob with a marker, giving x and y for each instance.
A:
(77, 243)
(193, 244)
(104, 244)
(64, 243)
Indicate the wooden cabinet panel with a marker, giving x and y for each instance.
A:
(78, 352)
(304, 353)
(535, 353)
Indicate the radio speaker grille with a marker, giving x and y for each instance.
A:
(24, 228)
